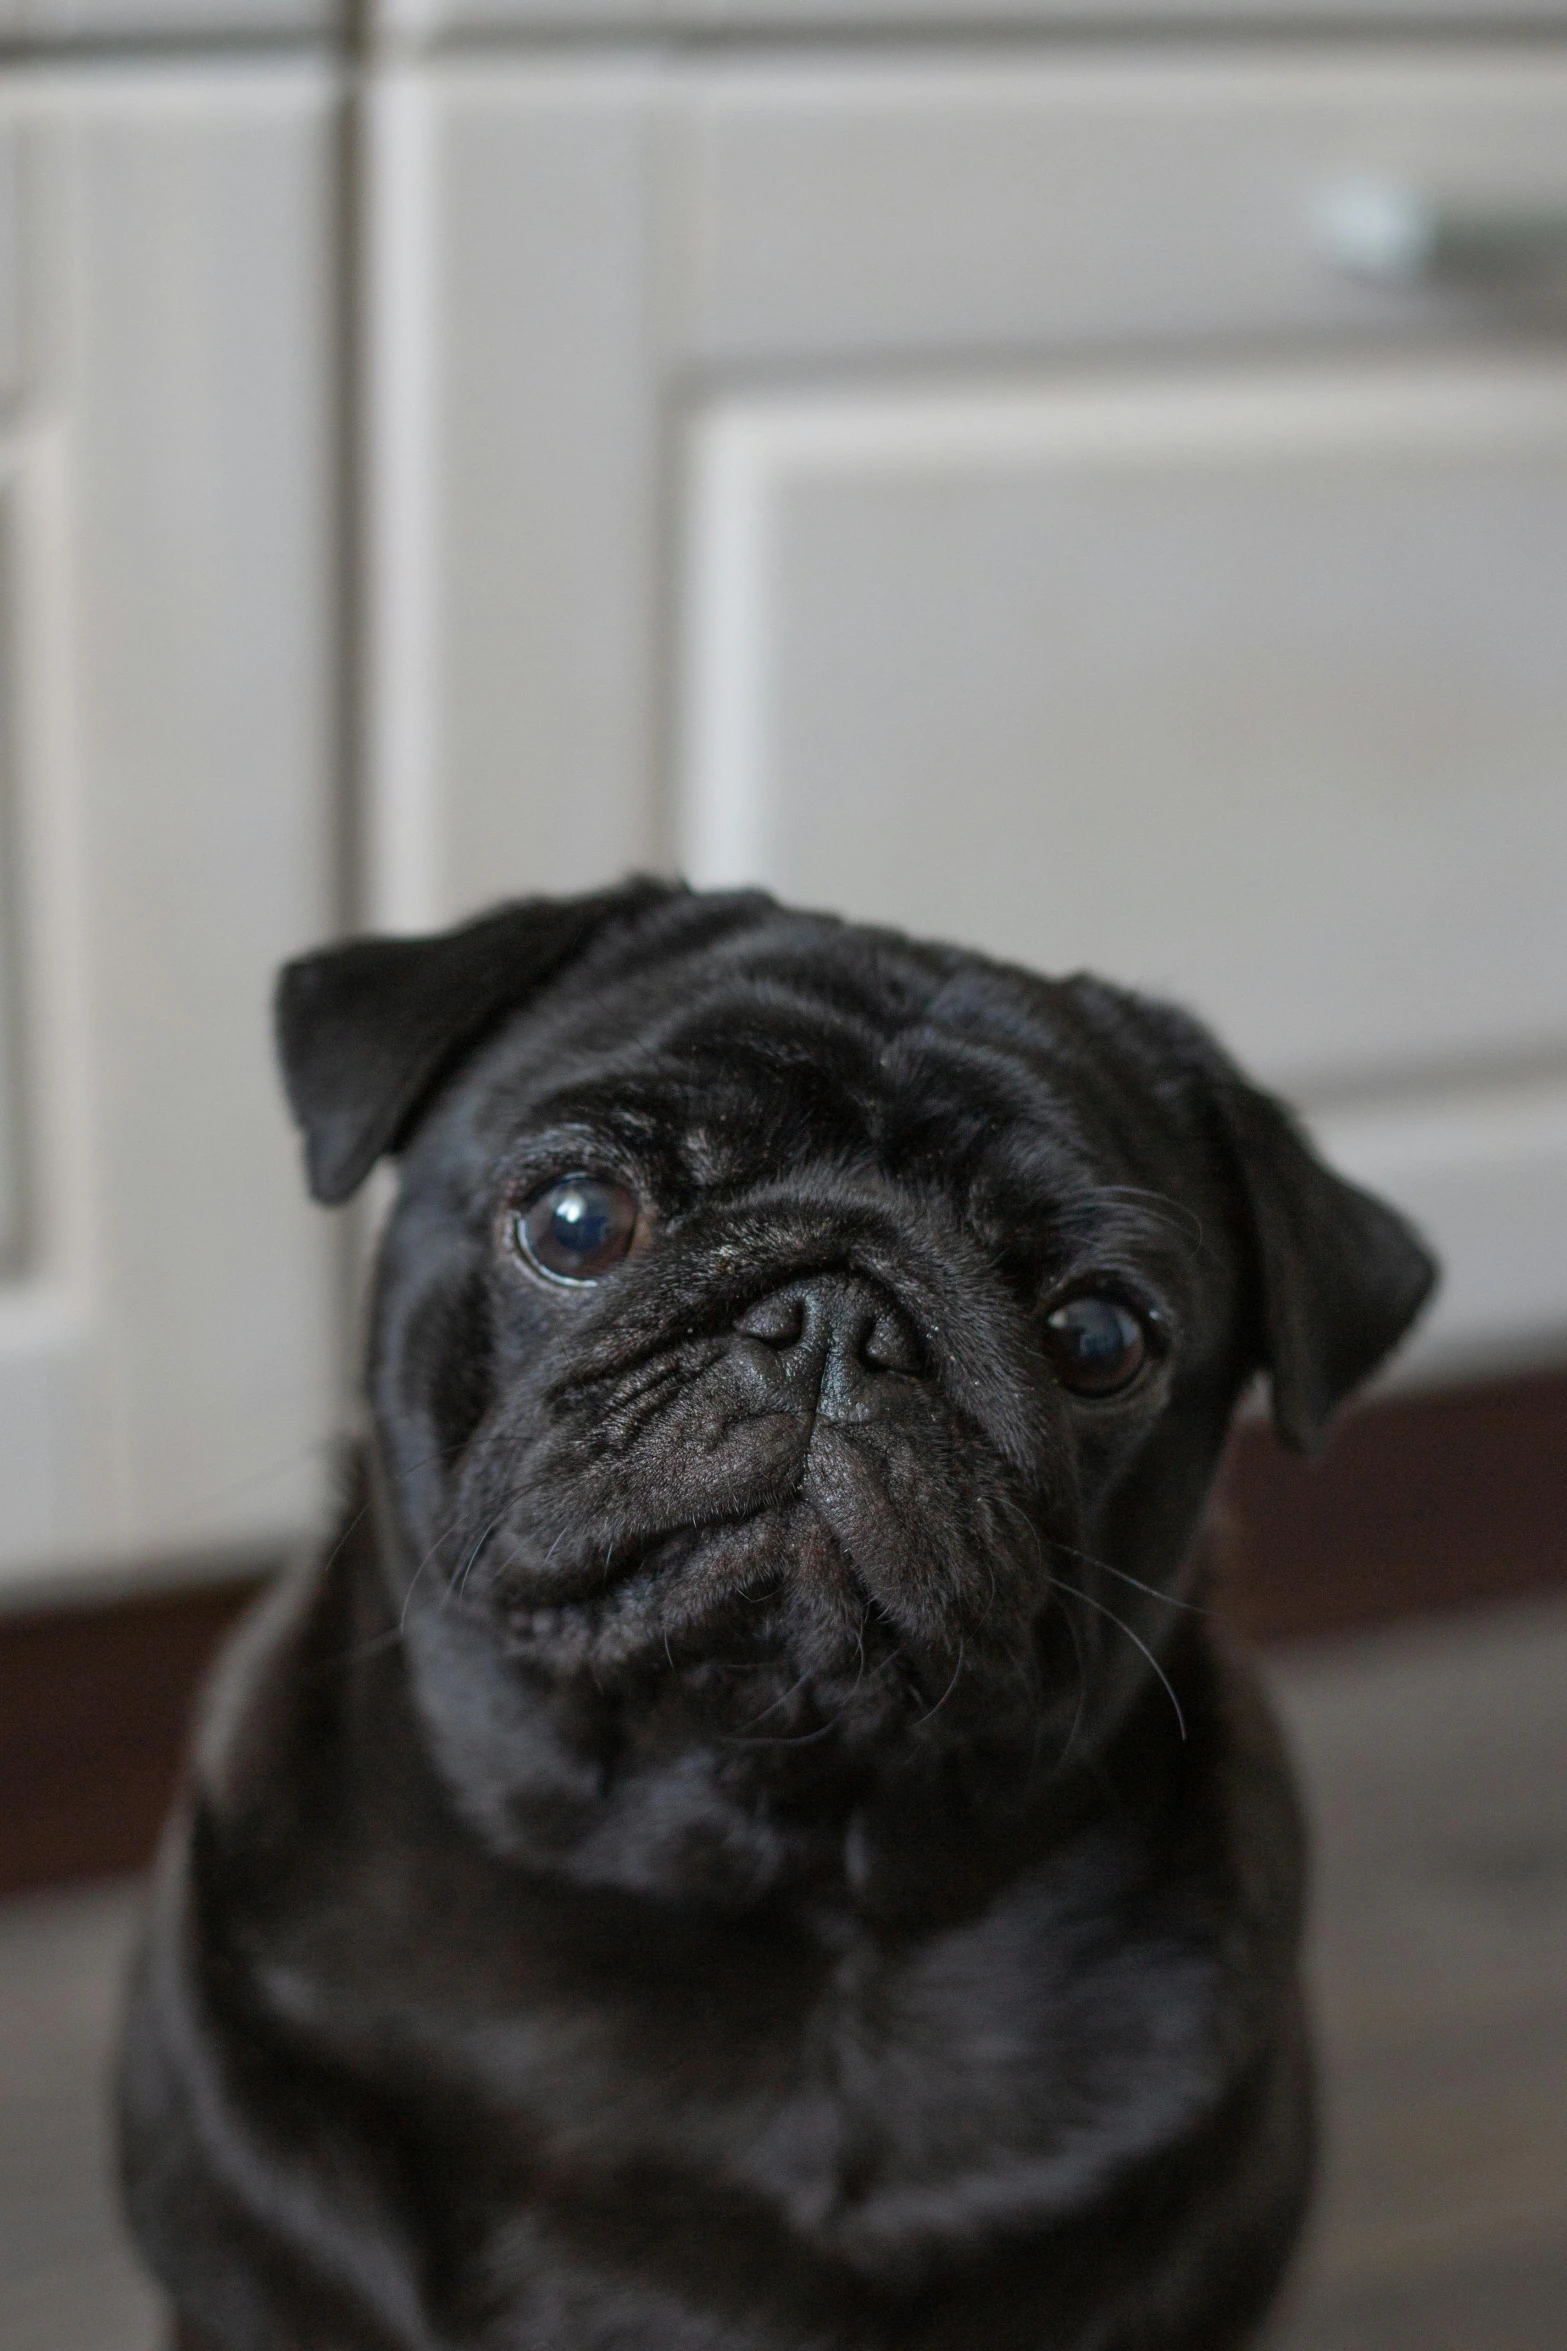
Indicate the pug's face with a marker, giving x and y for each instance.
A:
(804, 1345)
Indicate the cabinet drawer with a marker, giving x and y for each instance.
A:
(1040, 203)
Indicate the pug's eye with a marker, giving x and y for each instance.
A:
(578, 1229)
(1096, 1346)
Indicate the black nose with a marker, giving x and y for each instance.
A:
(829, 1344)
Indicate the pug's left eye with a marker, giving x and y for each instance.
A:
(1096, 1345)
(578, 1229)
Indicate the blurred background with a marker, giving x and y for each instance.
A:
(1085, 479)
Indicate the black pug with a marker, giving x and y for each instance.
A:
(750, 1841)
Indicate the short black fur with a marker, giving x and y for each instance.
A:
(750, 1841)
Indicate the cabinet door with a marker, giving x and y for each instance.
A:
(167, 1343)
(958, 490)
(1248, 686)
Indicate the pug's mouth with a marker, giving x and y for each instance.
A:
(689, 1577)
(768, 1622)
(766, 1670)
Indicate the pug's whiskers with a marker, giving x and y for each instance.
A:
(921, 1720)
(1073, 1592)
(1170, 1599)
(1065, 1755)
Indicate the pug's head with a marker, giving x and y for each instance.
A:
(800, 1356)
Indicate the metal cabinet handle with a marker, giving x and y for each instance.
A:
(1402, 236)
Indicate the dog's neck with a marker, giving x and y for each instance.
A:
(553, 1777)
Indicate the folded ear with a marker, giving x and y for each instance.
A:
(365, 1030)
(1341, 1275)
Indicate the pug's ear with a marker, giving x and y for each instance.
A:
(366, 1030)
(1341, 1276)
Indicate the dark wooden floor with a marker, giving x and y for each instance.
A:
(1434, 1760)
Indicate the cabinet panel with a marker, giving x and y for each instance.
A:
(168, 1352)
(431, 17)
(1251, 689)
(514, 429)
(1033, 202)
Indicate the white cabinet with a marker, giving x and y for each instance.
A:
(168, 1343)
(959, 489)
(945, 479)
(29, 23)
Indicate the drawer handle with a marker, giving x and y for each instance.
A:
(1398, 236)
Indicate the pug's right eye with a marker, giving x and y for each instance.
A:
(1096, 1346)
(577, 1229)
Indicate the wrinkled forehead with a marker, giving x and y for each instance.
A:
(830, 1046)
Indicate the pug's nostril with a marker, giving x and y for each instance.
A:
(892, 1344)
(778, 1321)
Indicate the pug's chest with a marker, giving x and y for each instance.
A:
(996, 2075)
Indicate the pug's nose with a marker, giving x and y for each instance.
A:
(828, 1344)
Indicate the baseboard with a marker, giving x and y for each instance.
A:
(1428, 1502)
(1446, 1499)
(94, 1703)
